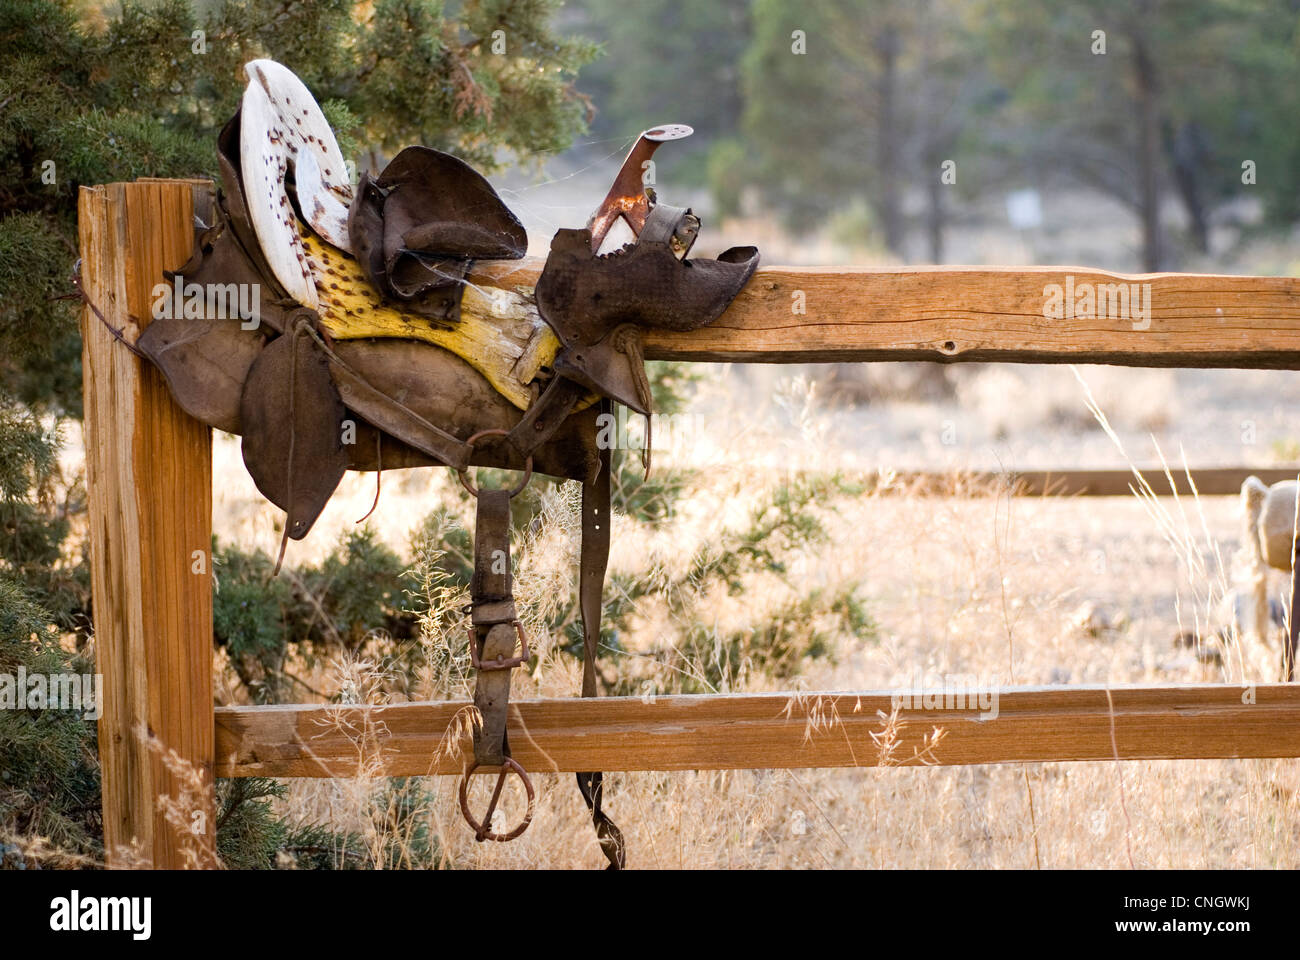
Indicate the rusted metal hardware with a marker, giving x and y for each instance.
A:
(517, 488)
(500, 663)
(627, 197)
(483, 831)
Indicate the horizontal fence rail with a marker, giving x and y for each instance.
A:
(814, 314)
(771, 731)
(1209, 482)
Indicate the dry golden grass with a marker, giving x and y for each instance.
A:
(1013, 591)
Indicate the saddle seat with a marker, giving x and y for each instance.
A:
(500, 333)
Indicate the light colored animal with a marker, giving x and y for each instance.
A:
(1270, 520)
(1270, 536)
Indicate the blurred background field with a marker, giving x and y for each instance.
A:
(726, 574)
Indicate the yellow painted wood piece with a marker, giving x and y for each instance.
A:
(500, 332)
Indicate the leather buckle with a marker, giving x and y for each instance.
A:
(500, 663)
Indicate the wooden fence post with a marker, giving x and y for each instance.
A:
(149, 477)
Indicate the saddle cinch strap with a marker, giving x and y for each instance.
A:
(359, 330)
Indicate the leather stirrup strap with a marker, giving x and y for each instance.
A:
(591, 581)
(494, 629)
(493, 615)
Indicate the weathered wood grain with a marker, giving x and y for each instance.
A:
(950, 314)
(1209, 482)
(955, 313)
(768, 731)
(149, 477)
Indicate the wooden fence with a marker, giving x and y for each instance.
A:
(149, 473)
(1204, 482)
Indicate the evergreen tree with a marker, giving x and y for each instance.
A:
(1152, 100)
(891, 86)
(89, 95)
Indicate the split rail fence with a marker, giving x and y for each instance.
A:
(149, 473)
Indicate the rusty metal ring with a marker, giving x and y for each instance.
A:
(528, 464)
(481, 831)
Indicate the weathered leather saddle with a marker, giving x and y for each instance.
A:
(365, 349)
